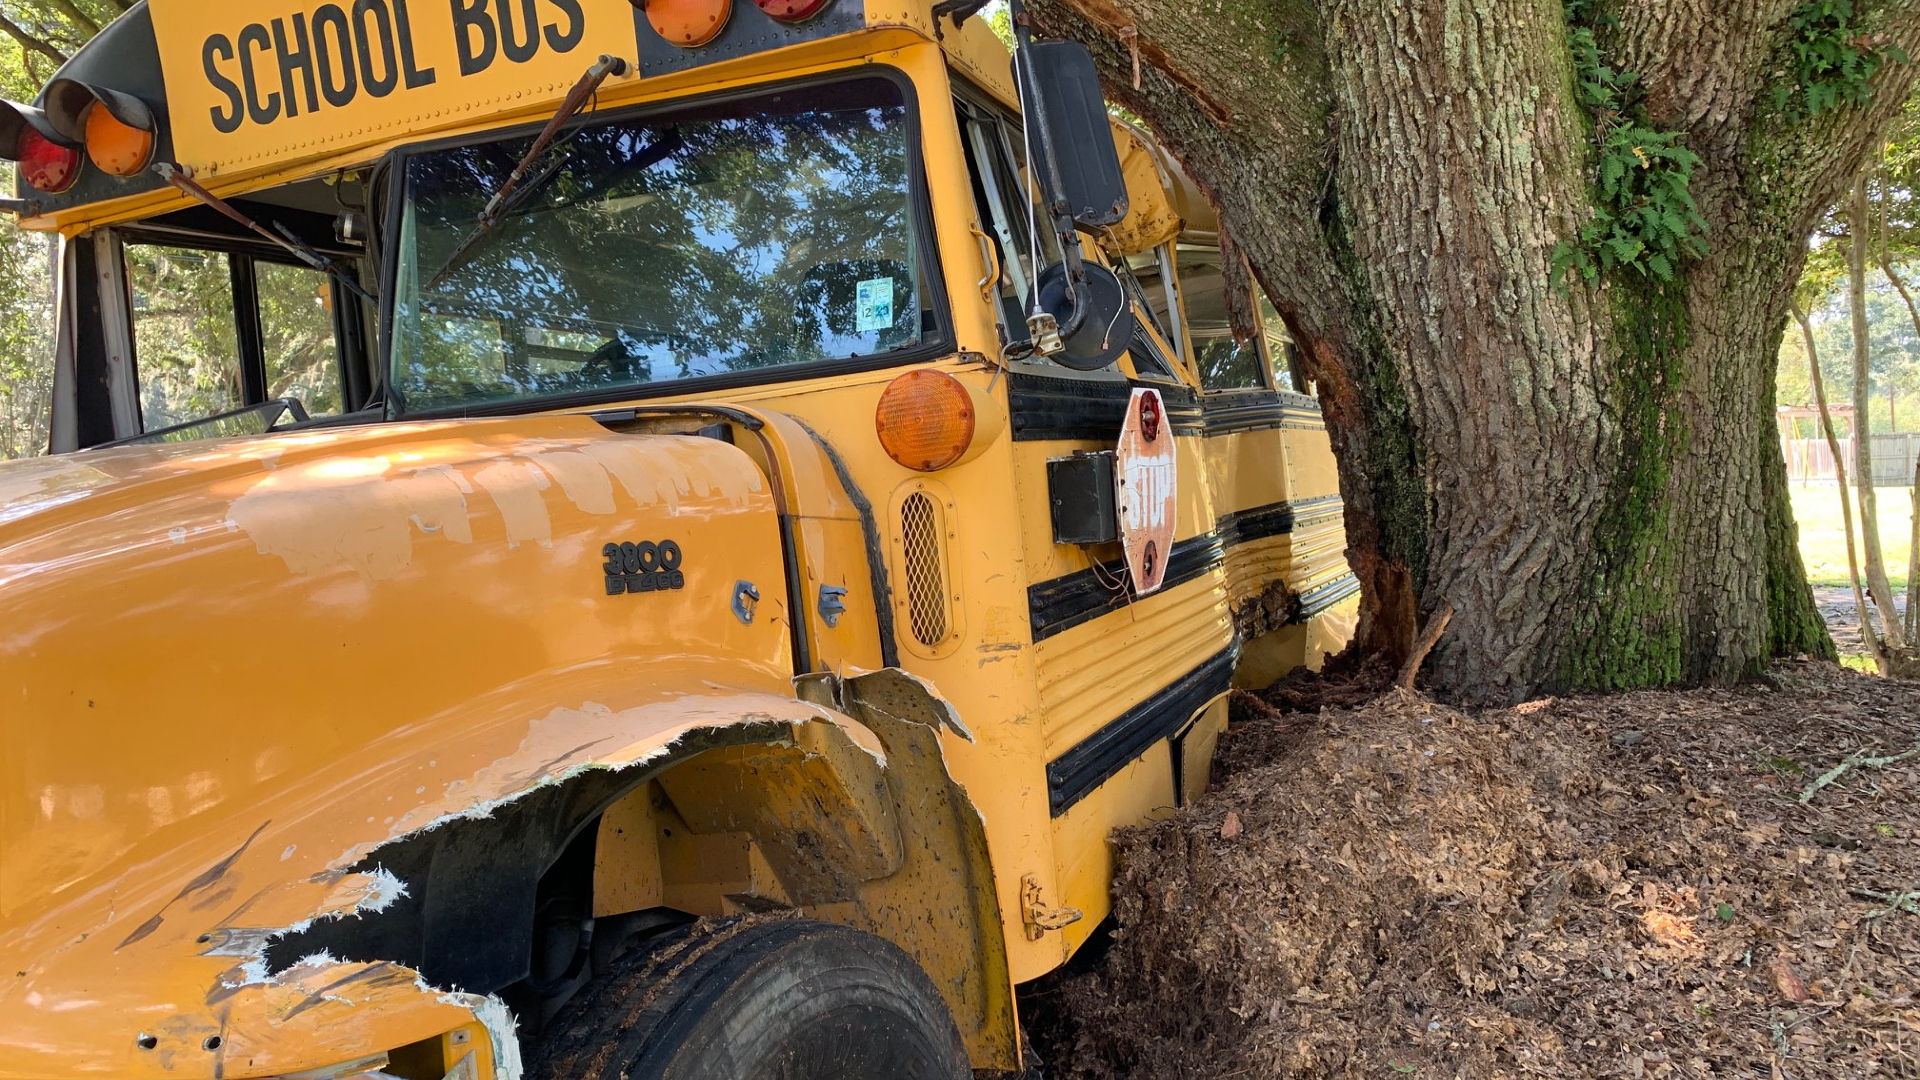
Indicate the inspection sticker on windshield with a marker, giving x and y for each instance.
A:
(876, 306)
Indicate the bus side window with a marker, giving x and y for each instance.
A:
(1281, 348)
(297, 339)
(1223, 362)
(996, 160)
(215, 331)
(1150, 360)
(1152, 302)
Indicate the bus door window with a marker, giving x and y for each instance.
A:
(219, 330)
(185, 334)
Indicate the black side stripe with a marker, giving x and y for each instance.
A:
(1076, 599)
(1317, 508)
(1075, 774)
(1046, 409)
(1082, 410)
(1059, 605)
(1228, 414)
(1260, 523)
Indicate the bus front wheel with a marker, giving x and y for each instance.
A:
(789, 999)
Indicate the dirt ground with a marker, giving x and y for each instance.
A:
(1708, 884)
(1843, 618)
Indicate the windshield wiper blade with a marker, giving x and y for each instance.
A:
(279, 234)
(501, 204)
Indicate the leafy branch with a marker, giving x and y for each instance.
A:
(1644, 217)
(1831, 59)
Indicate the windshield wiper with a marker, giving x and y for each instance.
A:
(500, 206)
(279, 234)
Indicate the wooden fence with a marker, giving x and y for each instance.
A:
(1894, 458)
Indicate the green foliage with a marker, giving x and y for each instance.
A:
(1644, 217)
(26, 334)
(1893, 348)
(41, 34)
(1000, 19)
(1831, 59)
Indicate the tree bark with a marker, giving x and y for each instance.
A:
(1879, 587)
(1589, 475)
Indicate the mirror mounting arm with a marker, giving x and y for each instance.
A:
(1052, 184)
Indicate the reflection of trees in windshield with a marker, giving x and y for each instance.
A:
(733, 238)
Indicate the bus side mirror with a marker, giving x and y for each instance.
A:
(1066, 113)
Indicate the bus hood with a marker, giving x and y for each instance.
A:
(237, 670)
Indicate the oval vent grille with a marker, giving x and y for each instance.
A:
(920, 535)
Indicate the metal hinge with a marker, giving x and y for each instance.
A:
(1038, 917)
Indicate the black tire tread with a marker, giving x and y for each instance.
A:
(645, 1000)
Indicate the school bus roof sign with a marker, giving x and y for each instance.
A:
(270, 81)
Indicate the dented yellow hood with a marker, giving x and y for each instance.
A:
(233, 671)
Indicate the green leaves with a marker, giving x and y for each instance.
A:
(1830, 60)
(1644, 218)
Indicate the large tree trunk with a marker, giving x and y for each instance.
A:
(1588, 475)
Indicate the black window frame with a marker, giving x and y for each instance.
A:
(940, 342)
(243, 257)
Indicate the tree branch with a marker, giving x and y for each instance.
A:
(30, 42)
(88, 27)
(1428, 639)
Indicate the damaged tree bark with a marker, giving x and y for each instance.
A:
(1587, 473)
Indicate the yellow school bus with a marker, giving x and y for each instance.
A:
(591, 539)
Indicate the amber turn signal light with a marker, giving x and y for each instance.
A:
(119, 130)
(926, 420)
(792, 11)
(689, 23)
(119, 148)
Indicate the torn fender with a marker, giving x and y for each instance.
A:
(199, 982)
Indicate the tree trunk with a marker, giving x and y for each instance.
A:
(1588, 475)
(1879, 587)
(1867, 637)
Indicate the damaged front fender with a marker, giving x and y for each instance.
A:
(226, 973)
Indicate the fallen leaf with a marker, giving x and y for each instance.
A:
(1789, 984)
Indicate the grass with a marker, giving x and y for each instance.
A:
(1823, 540)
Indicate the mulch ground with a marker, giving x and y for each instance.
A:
(1706, 884)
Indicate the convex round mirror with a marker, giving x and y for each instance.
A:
(1108, 329)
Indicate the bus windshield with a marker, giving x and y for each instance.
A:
(729, 238)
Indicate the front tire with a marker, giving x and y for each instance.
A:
(786, 1000)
